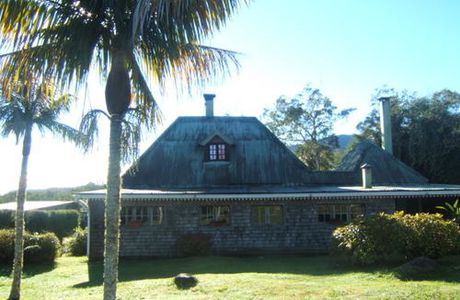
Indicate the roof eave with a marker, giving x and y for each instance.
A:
(362, 194)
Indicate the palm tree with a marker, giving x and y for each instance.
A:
(24, 106)
(124, 40)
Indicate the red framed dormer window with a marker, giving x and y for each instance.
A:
(216, 148)
(217, 152)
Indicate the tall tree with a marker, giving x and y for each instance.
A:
(125, 40)
(426, 132)
(306, 121)
(25, 105)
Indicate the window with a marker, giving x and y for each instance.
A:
(141, 215)
(269, 214)
(215, 215)
(324, 213)
(217, 152)
(339, 212)
(156, 215)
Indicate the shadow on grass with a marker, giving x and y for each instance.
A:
(29, 270)
(95, 271)
(155, 268)
(446, 269)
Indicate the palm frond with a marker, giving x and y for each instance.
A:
(130, 139)
(89, 127)
(35, 102)
(63, 131)
(20, 20)
(188, 65)
(151, 114)
(61, 44)
(193, 21)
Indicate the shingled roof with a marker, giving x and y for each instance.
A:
(176, 158)
(386, 169)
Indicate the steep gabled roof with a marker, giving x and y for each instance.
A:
(386, 169)
(176, 158)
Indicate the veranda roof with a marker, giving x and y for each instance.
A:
(285, 193)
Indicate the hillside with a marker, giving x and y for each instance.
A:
(52, 193)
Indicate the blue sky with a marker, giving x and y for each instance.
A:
(345, 48)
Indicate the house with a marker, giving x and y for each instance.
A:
(232, 180)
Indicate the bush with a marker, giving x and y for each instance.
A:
(49, 247)
(61, 222)
(371, 239)
(6, 245)
(76, 243)
(37, 247)
(6, 219)
(193, 244)
(36, 220)
(430, 235)
(382, 237)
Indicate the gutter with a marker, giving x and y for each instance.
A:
(277, 196)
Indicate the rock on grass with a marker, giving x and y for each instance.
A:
(185, 281)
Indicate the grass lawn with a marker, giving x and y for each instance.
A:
(268, 277)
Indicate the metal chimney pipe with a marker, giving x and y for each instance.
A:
(385, 124)
(366, 171)
(209, 104)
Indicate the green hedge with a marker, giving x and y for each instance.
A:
(76, 243)
(6, 219)
(382, 237)
(37, 247)
(61, 222)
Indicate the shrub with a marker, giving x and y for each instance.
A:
(76, 243)
(6, 219)
(6, 245)
(49, 247)
(370, 239)
(430, 235)
(36, 220)
(452, 209)
(380, 237)
(37, 247)
(193, 244)
(61, 222)
(31, 253)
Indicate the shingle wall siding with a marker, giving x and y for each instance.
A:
(300, 232)
(96, 228)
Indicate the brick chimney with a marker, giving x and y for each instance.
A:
(209, 104)
(385, 124)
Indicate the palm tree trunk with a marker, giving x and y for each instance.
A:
(112, 211)
(15, 293)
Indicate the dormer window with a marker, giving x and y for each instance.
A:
(216, 148)
(217, 152)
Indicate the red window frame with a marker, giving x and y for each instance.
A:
(217, 150)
